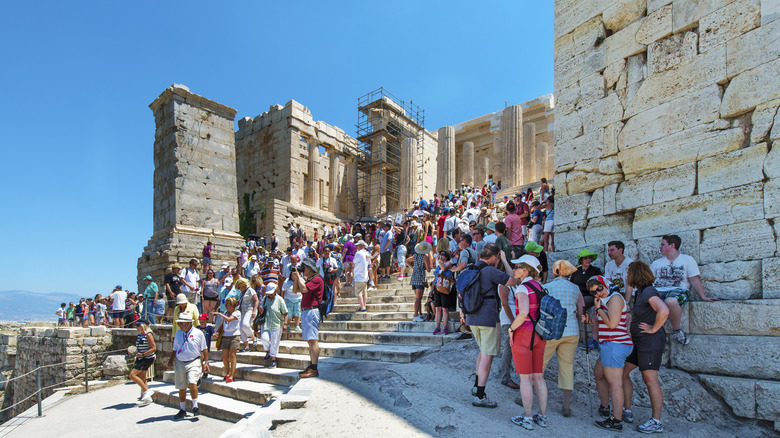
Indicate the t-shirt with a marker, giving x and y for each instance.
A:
(174, 282)
(644, 312)
(315, 288)
(192, 277)
(251, 268)
(533, 301)
(467, 256)
(208, 332)
(674, 274)
(471, 214)
(188, 346)
(489, 280)
(450, 223)
(617, 274)
(330, 263)
(151, 290)
(69, 312)
(231, 328)
(349, 251)
(224, 294)
(246, 300)
(538, 215)
(580, 278)
(384, 240)
(118, 297)
(61, 312)
(514, 229)
(362, 260)
(274, 313)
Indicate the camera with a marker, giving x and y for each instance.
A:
(299, 269)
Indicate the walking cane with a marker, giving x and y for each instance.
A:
(587, 358)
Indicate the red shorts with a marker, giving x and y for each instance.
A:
(527, 361)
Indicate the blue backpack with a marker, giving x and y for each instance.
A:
(471, 296)
(552, 316)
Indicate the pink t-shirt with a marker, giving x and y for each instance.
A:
(514, 229)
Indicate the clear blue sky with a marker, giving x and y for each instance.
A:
(77, 78)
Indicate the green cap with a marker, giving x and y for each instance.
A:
(532, 246)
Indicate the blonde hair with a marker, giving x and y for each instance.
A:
(146, 327)
(532, 272)
(232, 302)
(241, 284)
(256, 281)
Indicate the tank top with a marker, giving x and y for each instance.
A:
(618, 334)
(142, 344)
(533, 303)
(210, 289)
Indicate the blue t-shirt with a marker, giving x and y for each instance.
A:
(207, 332)
(224, 294)
(423, 204)
(384, 241)
(538, 215)
(490, 278)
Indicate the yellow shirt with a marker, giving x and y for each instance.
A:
(191, 309)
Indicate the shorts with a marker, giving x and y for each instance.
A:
(384, 259)
(215, 299)
(310, 324)
(230, 342)
(293, 307)
(348, 265)
(549, 226)
(564, 348)
(647, 352)
(171, 303)
(61, 321)
(681, 295)
(143, 363)
(614, 354)
(488, 339)
(186, 373)
(528, 361)
(360, 288)
(446, 301)
(206, 260)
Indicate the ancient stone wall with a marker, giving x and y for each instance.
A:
(666, 115)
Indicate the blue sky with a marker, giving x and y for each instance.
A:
(77, 79)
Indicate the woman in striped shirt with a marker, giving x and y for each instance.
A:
(144, 358)
(616, 345)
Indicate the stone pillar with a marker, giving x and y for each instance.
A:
(467, 175)
(334, 181)
(512, 172)
(541, 161)
(550, 162)
(498, 157)
(445, 180)
(483, 169)
(350, 192)
(313, 183)
(529, 153)
(407, 180)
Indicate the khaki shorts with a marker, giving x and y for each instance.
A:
(230, 343)
(488, 339)
(564, 348)
(360, 288)
(186, 373)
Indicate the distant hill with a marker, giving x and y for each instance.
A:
(23, 305)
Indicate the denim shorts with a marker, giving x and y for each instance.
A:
(681, 295)
(614, 355)
(310, 324)
(293, 307)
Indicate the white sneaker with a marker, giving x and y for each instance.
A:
(146, 398)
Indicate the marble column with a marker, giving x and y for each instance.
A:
(498, 157)
(512, 172)
(467, 174)
(550, 162)
(376, 198)
(335, 182)
(529, 153)
(407, 180)
(541, 161)
(483, 169)
(313, 183)
(445, 180)
(351, 193)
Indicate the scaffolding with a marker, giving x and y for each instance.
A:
(384, 121)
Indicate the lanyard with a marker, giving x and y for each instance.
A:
(186, 339)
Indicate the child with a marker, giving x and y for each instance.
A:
(60, 315)
(100, 309)
(70, 314)
(275, 311)
(207, 330)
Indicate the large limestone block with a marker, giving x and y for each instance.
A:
(770, 11)
(726, 23)
(732, 169)
(738, 393)
(568, 127)
(572, 15)
(753, 48)
(571, 208)
(614, 74)
(610, 205)
(665, 185)
(687, 13)
(752, 240)
(601, 113)
(648, 248)
(610, 138)
(654, 5)
(570, 235)
(622, 44)
(757, 317)
(770, 277)
(737, 205)
(578, 181)
(568, 71)
(732, 281)
(751, 88)
(582, 148)
(726, 355)
(675, 50)
(772, 199)
(762, 119)
(566, 100)
(657, 25)
(767, 401)
(596, 204)
(605, 228)
(623, 12)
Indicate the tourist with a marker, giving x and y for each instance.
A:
(490, 231)
(580, 277)
(61, 318)
(118, 297)
(374, 269)
(97, 310)
(569, 295)
(275, 312)
(251, 267)
(535, 249)
(144, 358)
(444, 292)
(79, 313)
(523, 211)
(210, 288)
(243, 256)
(229, 339)
(484, 322)
(362, 261)
(471, 214)
(647, 331)
(544, 190)
(223, 273)
(421, 264)
(131, 310)
(208, 331)
(207, 256)
(348, 257)
(69, 314)
(478, 242)
(172, 289)
(183, 306)
(270, 274)
(150, 296)
(549, 224)
(536, 223)
(292, 298)
(675, 274)
(467, 257)
(191, 360)
(611, 311)
(527, 346)
(450, 223)
(248, 303)
(291, 234)
(515, 230)
(190, 281)
(386, 249)
(506, 315)
(616, 268)
(400, 241)
(312, 286)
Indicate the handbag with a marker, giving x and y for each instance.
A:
(219, 338)
(444, 284)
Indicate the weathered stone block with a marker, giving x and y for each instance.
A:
(727, 23)
(654, 5)
(751, 88)
(738, 393)
(725, 355)
(665, 185)
(672, 51)
(571, 208)
(772, 199)
(622, 12)
(762, 119)
(622, 44)
(770, 11)
(579, 182)
(732, 281)
(648, 248)
(657, 25)
(570, 235)
(757, 317)
(687, 13)
(596, 204)
(97, 331)
(567, 154)
(767, 401)
(9, 340)
(65, 333)
(756, 241)
(602, 229)
(711, 209)
(570, 18)
(753, 48)
(90, 341)
(770, 277)
(610, 145)
(732, 168)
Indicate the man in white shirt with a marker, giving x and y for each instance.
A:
(491, 237)
(191, 360)
(362, 261)
(251, 267)
(675, 274)
(616, 269)
(190, 281)
(451, 222)
(472, 214)
(118, 297)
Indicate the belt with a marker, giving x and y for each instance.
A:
(310, 308)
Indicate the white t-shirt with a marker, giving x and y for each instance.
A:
(232, 328)
(119, 298)
(362, 259)
(450, 223)
(618, 274)
(471, 214)
(670, 275)
(247, 303)
(192, 277)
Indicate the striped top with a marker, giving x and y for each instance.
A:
(533, 301)
(618, 334)
(270, 274)
(142, 344)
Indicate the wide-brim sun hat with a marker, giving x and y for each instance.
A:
(308, 261)
(491, 226)
(530, 261)
(184, 317)
(361, 242)
(181, 299)
(423, 248)
(585, 252)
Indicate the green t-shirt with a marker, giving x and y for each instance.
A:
(274, 313)
(503, 244)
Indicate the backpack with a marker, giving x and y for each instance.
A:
(326, 304)
(337, 256)
(471, 297)
(552, 316)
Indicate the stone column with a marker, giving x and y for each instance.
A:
(498, 157)
(350, 191)
(529, 153)
(445, 180)
(335, 182)
(483, 169)
(550, 162)
(313, 185)
(407, 180)
(512, 172)
(541, 161)
(468, 164)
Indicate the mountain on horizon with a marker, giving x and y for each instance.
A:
(24, 305)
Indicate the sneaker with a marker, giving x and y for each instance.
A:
(267, 356)
(651, 426)
(474, 391)
(196, 411)
(400, 277)
(254, 343)
(628, 416)
(147, 394)
(605, 412)
(610, 423)
(483, 402)
(446, 331)
(362, 310)
(418, 318)
(145, 401)
(540, 419)
(272, 364)
(524, 422)
(181, 414)
(298, 329)
(680, 336)
(436, 331)
(372, 288)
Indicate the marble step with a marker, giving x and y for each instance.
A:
(280, 376)
(384, 326)
(388, 307)
(258, 393)
(366, 337)
(386, 299)
(210, 404)
(383, 352)
(369, 316)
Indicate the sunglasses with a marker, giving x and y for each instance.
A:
(599, 289)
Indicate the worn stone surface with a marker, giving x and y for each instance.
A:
(570, 235)
(623, 12)
(757, 317)
(605, 228)
(733, 280)
(657, 187)
(648, 248)
(770, 11)
(767, 401)
(728, 22)
(571, 208)
(770, 277)
(756, 241)
(753, 48)
(751, 88)
(673, 51)
(724, 355)
(687, 13)
(738, 393)
(657, 25)
(772, 199)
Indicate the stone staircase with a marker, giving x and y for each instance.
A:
(384, 333)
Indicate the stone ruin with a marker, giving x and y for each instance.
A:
(666, 115)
